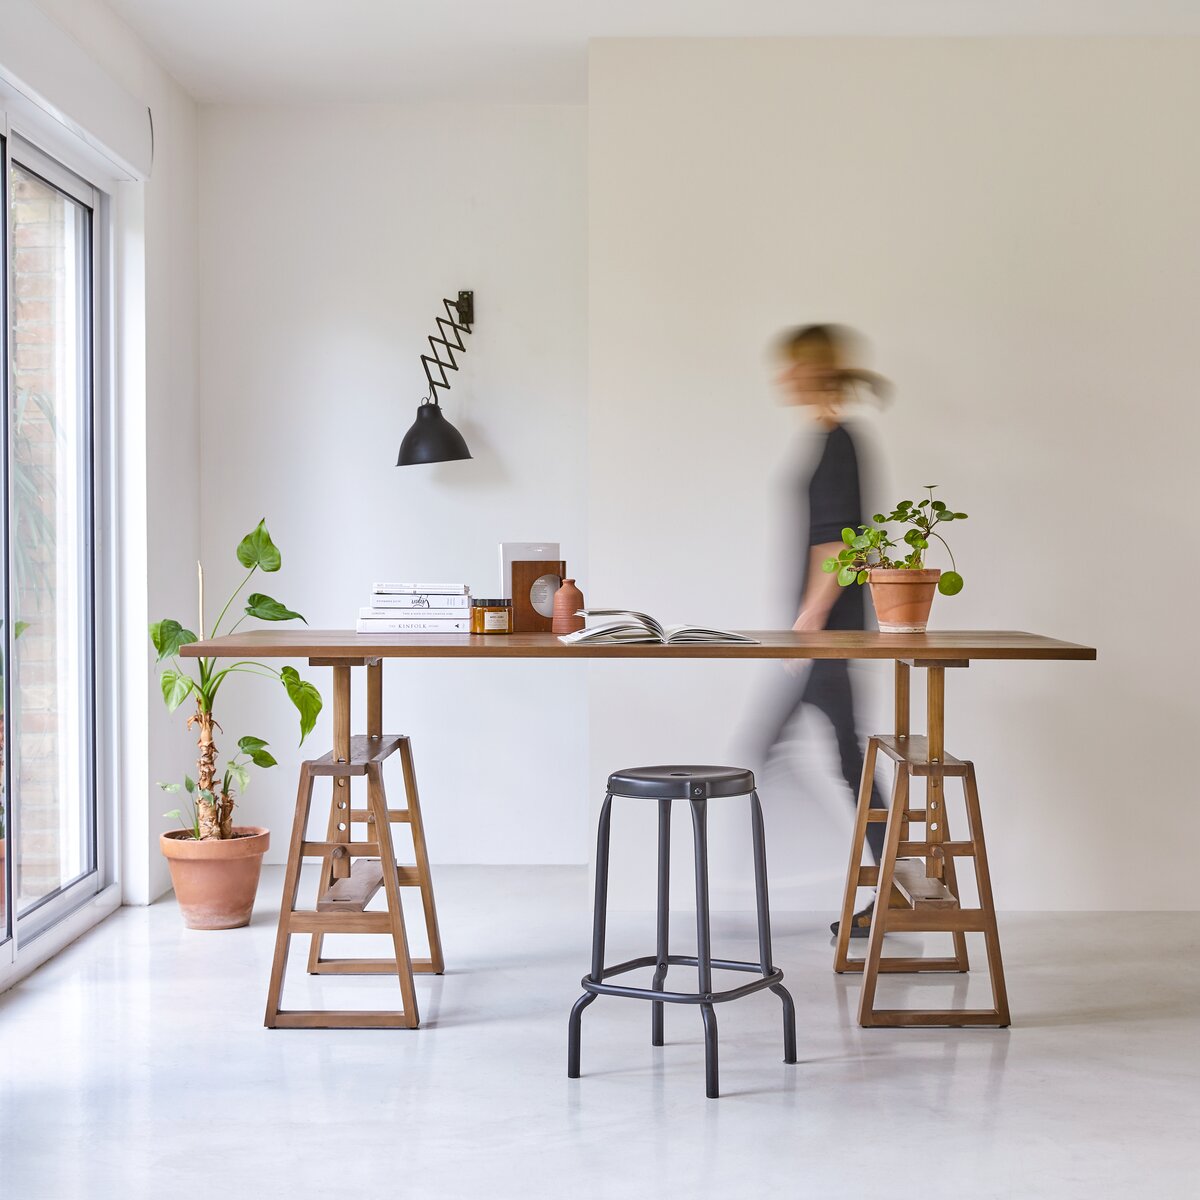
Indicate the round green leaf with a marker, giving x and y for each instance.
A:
(846, 576)
(863, 576)
(257, 550)
(960, 516)
(879, 518)
(950, 584)
(829, 566)
(848, 535)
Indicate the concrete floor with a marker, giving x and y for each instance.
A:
(135, 1065)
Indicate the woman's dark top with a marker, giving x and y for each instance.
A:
(835, 502)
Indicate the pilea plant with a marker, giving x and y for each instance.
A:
(872, 548)
(213, 796)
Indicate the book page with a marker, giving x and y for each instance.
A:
(682, 634)
(643, 619)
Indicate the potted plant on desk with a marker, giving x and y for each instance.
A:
(902, 586)
(215, 865)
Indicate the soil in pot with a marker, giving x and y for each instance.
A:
(215, 880)
(903, 599)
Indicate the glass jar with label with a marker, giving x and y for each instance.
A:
(491, 616)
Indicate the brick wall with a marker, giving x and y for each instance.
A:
(40, 327)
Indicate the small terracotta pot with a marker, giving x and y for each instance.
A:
(215, 880)
(903, 599)
(568, 600)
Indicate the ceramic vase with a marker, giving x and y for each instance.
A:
(568, 600)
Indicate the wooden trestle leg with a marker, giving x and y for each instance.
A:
(353, 872)
(929, 888)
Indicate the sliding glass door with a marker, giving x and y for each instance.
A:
(47, 727)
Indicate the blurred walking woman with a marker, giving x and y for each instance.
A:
(819, 377)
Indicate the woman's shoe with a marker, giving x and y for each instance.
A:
(860, 923)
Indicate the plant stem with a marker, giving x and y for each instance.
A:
(231, 600)
(948, 550)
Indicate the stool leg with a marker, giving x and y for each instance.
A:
(599, 916)
(704, 945)
(664, 917)
(573, 1033)
(764, 927)
(712, 1087)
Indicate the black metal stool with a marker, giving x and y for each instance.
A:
(696, 785)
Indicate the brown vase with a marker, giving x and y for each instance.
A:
(215, 880)
(568, 600)
(903, 599)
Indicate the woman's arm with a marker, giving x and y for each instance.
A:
(821, 590)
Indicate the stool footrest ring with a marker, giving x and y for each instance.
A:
(597, 987)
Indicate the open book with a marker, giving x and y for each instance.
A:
(615, 626)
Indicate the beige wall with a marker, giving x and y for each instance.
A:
(329, 236)
(1013, 222)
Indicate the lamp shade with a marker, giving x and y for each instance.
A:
(431, 439)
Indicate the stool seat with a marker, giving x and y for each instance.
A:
(681, 782)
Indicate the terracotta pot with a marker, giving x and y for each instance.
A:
(903, 599)
(215, 881)
(568, 600)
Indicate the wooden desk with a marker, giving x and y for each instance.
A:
(918, 874)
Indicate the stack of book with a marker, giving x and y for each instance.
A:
(417, 608)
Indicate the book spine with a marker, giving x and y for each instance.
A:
(427, 601)
(428, 589)
(406, 613)
(412, 625)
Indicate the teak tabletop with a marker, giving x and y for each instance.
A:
(943, 645)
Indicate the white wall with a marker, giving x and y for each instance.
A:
(328, 238)
(1013, 222)
(157, 395)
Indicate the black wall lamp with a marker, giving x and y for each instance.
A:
(432, 438)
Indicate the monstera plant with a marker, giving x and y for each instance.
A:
(213, 793)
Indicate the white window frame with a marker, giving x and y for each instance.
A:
(58, 920)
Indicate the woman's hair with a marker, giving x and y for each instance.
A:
(836, 348)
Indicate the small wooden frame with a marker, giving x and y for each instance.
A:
(525, 573)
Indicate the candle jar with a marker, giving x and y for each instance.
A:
(491, 616)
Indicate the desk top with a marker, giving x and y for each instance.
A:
(942, 645)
